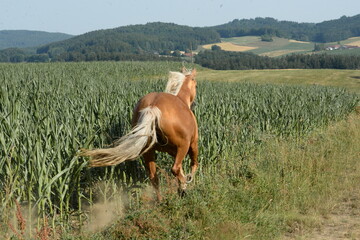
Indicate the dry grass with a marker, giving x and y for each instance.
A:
(228, 46)
(22, 226)
(295, 41)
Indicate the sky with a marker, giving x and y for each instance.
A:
(81, 16)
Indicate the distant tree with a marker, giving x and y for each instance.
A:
(38, 58)
(76, 57)
(17, 58)
(91, 56)
(319, 47)
(165, 52)
(176, 53)
(12, 55)
(215, 48)
(267, 38)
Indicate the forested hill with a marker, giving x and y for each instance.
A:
(148, 41)
(24, 38)
(327, 31)
(129, 41)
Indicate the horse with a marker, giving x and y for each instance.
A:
(161, 121)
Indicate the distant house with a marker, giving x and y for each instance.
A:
(333, 47)
(350, 47)
(190, 54)
(181, 52)
(336, 47)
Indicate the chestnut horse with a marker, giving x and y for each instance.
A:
(162, 121)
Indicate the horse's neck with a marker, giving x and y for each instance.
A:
(184, 95)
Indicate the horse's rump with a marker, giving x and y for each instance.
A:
(177, 120)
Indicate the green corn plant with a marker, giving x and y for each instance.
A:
(49, 111)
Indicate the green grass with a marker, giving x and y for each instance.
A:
(349, 79)
(246, 41)
(345, 42)
(258, 175)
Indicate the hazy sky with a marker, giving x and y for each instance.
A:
(80, 16)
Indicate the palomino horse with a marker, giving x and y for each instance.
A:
(162, 121)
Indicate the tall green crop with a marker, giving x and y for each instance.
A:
(49, 111)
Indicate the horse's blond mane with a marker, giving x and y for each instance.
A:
(176, 79)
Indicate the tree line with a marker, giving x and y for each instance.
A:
(223, 60)
(327, 31)
(15, 55)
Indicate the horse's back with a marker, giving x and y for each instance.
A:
(177, 123)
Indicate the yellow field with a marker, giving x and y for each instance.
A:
(227, 46)
(354, 41)
(357, 43)
(295, 41)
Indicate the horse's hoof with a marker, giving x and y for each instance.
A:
(159, 198)
(182, 189)
(189, 178)
(182, 192)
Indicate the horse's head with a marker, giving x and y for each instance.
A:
(182, 85)
(190, 82)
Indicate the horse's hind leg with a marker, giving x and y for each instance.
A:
(150, 165)
(177, 169)
(193, 152)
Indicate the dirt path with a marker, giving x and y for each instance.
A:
(342, 223)
(343, 220)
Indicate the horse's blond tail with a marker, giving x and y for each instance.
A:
(139, 140)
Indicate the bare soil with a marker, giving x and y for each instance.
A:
(343, 222)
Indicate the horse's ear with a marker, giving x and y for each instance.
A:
(193, 72)
(183, 70)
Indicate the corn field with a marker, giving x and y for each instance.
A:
(49, 111)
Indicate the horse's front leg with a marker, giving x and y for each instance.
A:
(150, 165)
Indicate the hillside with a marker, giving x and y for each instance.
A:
(162, 38)
(24, 38)
(164, 41)
(129, 41)
(282, 46)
